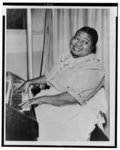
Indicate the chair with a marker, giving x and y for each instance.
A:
(98, 135)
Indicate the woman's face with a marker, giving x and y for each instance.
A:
(81, 44)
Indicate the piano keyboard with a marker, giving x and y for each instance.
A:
(17, 99)
(14, 99)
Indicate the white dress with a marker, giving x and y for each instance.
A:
(79, 77)
(72, 122)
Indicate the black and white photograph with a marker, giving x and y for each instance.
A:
(60, 74)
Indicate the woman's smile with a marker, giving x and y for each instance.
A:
(77, 48)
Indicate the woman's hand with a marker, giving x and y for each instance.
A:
(23, 88)
(36, 81)
(61, 99)
(34, 101)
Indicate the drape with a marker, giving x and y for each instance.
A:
(61, 24)
(47, 54)
(65, 22)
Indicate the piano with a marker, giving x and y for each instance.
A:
(20, 125)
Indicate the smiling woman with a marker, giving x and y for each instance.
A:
(84, 42)
(77, 74)
(75, 82)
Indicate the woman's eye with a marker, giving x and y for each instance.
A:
(85, 42)
(76, 38)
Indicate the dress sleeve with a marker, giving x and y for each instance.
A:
(86, 84)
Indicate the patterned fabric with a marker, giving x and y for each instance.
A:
(81, 77)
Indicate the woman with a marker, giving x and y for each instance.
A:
(75, 82)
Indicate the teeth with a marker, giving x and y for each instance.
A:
(78, 49)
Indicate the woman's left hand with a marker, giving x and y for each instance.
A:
(28, 103)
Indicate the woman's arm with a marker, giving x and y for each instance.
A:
(24, 87)
(39, 80)
(59, 99)
(56, 100)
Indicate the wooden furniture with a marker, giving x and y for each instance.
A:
(20, 125)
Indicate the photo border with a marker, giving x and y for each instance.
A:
(3, 67)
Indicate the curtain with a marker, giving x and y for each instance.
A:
(65, 22)
(38, 28)
(38, 17)
(47, 54)
(61, 25)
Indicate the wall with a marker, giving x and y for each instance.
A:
(16, 50)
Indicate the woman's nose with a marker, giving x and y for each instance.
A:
(78, 43)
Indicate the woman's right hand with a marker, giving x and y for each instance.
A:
(23, 88)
